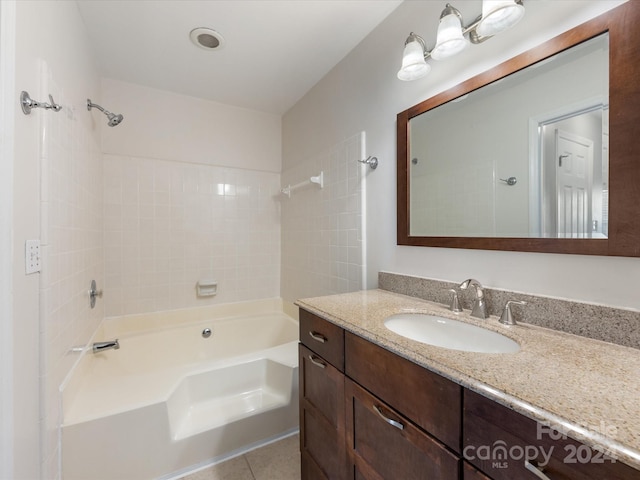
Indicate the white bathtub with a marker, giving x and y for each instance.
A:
(169, 400)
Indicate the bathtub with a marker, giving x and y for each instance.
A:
(170, 400)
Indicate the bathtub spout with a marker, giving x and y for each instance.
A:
(100, 346)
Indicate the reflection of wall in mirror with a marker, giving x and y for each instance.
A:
(462, 138)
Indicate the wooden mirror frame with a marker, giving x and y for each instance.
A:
(623, 25)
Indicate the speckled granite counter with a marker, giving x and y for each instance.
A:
(588, 387)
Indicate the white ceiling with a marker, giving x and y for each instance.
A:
(275, 51)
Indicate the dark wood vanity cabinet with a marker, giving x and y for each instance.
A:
(469, 472)
(369, 414)
(322, 420)
(507, 440)
(387, 418)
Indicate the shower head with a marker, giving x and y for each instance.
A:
(113, 118)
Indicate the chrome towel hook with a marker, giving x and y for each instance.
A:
(27, 103)
(371, 161)
(511, 181)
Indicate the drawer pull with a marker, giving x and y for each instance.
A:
(535, 470)
(317, 336)
(316, 362)
(396, 424)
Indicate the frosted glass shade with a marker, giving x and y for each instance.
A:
(450, 40)
(498, 15)
(413, 63)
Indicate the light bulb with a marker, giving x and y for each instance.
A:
(498, 16)
(450, 40)
(413, 63)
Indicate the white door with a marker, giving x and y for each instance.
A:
(574, 160)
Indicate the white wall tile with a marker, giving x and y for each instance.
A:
(72, 252)
(189, 222)
(321, 228)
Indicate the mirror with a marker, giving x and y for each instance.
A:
(525, 156)
(518, 157)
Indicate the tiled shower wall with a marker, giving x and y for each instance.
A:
(170, 223)
(322, 240)
(71, 251)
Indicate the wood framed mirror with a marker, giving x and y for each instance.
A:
(621, 237)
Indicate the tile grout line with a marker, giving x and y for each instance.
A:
(246, 459)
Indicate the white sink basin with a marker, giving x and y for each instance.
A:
(447, 333)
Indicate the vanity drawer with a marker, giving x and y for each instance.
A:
(490, 425)
(432, 402)
(322, 337)
(385, 445)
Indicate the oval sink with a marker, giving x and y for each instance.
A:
(448, 333)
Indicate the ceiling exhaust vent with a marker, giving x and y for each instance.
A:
(207, 39)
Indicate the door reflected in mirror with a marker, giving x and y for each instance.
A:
(523, 157)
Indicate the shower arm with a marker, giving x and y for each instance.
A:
(95, 105)
(113, 118)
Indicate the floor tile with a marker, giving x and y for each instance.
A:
(234, 469)
(277, 461)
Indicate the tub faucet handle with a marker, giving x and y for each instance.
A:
(507, 317)
(94, 293)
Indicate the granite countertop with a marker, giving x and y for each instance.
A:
(589, 388)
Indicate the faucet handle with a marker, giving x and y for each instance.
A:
(507, 317)
(454, 306)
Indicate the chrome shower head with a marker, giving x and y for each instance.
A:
(113, 118)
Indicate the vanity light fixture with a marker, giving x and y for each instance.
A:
(414, 65)
(450, 39)
(453, 37)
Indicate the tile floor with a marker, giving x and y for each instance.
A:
(277, 461)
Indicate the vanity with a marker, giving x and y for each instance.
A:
(376, 405)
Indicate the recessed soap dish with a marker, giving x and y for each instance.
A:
(206, 288)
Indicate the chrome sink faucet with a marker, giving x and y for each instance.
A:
(479, 309)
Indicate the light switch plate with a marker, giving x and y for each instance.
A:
(32, 256)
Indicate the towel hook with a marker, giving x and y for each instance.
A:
(371, 161)
(511, 181)
(27, 103)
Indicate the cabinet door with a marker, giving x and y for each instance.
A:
(322, 387)
(322, 424)
(382, 444)
(509, 446)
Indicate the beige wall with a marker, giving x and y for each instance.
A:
(363, 93)
(56, 199)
